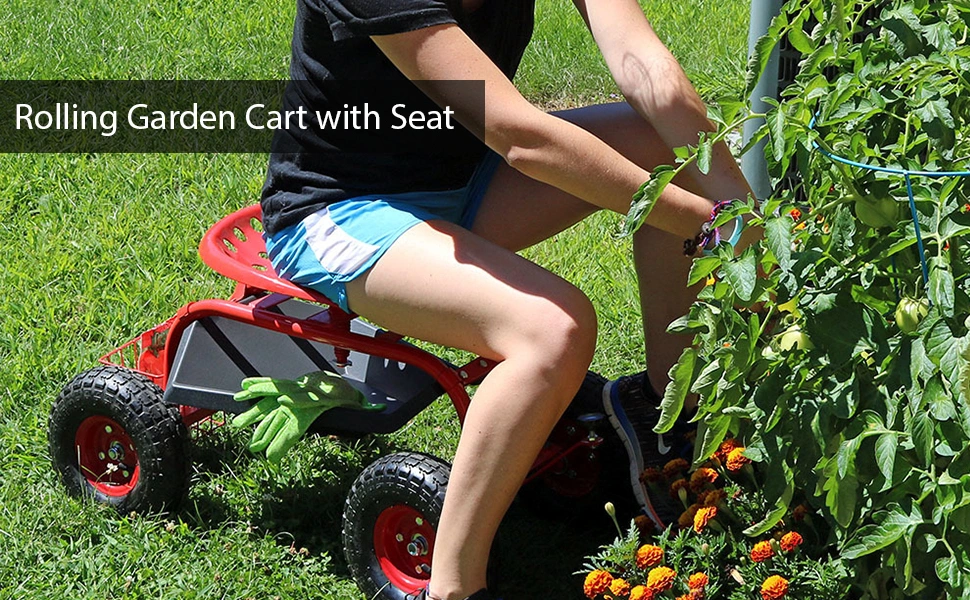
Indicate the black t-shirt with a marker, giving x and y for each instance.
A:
(331, 44)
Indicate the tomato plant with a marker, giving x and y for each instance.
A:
(871, 423)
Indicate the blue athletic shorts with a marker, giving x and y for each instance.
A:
(342, 240)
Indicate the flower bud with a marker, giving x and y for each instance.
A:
(610, 510)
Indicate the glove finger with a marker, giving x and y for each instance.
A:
(256, 413)
(286, 437)
(251, 381)
(267, 431)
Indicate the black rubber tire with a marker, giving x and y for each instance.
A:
(410, 479)
(155, 429)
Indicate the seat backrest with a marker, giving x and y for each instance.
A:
(234, 247)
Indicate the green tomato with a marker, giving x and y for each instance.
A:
(880, 213)
(794, 338)
(909, 312)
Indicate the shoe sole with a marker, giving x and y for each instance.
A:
(624, 429)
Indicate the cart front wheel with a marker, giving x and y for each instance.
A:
(113, 439)
(389, 523)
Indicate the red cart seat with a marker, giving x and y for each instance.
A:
(234, 247)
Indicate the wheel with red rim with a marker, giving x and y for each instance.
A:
(390, 522)
(112, 438)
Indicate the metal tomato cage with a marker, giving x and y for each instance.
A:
(780, 72)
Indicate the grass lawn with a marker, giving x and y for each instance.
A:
(97, 248)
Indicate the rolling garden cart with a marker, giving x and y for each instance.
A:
(120, 432)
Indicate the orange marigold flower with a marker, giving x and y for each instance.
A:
(795, 214)
(675, 487)
(714, 497)
(774, 587)
(644, 524)
(651, 475)
(661, 579)
(686, 519)
(620, 587)
(703, 517)
(736, 459)
(641, 593)
(596, 583)
(702, 477)
(698, 581)
(790, 541)
(762, 551)
(675, 467)
(725, 448)
(649, 556)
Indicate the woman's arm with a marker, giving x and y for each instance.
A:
(539, 145)
(654, 83)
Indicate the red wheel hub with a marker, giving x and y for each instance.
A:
(403, 543)
(106, 456)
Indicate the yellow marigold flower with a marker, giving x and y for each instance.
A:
(649, 556)
(596, 583)
(703, 517)
(620, 587)
(651, 475)
(698, 581)
(725, 448)
(702, 477)
(686, 519)
(790, 541)
(774, 587)
(641, 593)
(736, 459)
(675, 467)
(661, 579)
(676, 487)
(762, 551)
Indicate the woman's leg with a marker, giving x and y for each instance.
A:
(518, 212)
(442, 284)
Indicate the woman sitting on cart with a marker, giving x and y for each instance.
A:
(425, 245)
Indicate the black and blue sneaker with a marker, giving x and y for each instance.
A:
(633, 408)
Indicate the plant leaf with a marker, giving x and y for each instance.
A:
(741, 272)
(681, 375)
(870, 538)
(646, 197)
(772, 518)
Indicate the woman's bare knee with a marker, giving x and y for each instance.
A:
(558, 336)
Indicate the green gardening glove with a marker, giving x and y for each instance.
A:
(287, 408)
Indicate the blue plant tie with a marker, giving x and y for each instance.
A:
(907, 175)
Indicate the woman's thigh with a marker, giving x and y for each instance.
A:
(445, 285)
(518, 211)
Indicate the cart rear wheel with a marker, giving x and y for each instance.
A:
(390, 522)
(113, 439)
